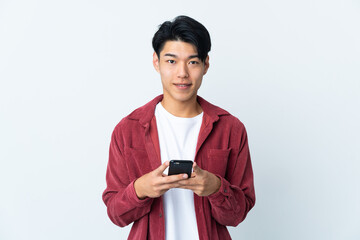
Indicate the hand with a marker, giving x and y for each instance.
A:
(202, 182)
(155, 183)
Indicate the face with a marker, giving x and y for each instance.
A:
(181, 71)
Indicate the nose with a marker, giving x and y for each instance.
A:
(182, 71)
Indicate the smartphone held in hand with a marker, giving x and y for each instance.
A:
(180, 166)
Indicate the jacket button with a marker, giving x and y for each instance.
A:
(225, 191)
(160, 215)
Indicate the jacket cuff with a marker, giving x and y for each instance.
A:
(134, 199)
(223, 192)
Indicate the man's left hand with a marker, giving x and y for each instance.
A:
(202, 182)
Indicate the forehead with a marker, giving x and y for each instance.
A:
(178, 48)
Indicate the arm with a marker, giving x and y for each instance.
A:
(128, 200)
(236, 195)
(232, 197)
(123, 205)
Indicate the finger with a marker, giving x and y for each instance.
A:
(188, 182)
(166, 186)
(172, 178)
(162, 168)
(170, 186)
(190, 187)
(196, 168)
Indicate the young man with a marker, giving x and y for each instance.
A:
(179, 125)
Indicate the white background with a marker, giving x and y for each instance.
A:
(71, 69)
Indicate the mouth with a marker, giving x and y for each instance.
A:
(182, 85)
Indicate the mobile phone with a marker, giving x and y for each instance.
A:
(180, 166)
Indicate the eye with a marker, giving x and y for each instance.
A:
(171, 61)
(193, 62)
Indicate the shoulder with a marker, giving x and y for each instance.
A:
(233, 120)
(232, 124)
(220, 115)
(139, 117)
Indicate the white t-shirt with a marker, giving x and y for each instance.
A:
(178, 138)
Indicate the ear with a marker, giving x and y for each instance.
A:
(206, 64)
(156, 62)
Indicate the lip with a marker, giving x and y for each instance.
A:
(182, 86)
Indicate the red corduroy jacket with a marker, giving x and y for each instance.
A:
(222, 149)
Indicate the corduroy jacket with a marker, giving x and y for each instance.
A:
(222, 148)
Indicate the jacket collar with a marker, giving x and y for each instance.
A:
(145, 113)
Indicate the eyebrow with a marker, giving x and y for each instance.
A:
(173, 55)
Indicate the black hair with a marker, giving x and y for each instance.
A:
(186, 29)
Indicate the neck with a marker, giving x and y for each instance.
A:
(182, 109)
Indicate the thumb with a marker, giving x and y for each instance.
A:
(162, 168)
(197, 169)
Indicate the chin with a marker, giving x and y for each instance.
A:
(182, 98)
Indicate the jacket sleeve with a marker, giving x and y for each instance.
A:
(236, 196)
(123, 206)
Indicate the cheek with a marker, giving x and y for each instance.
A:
(165, 74)
(198, 84)
(198, 76)
(166, 79)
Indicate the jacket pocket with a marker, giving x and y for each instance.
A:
(137, 162)
(217, 160)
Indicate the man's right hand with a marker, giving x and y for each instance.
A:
(155, 183)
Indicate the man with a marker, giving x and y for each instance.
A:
(179, 125)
